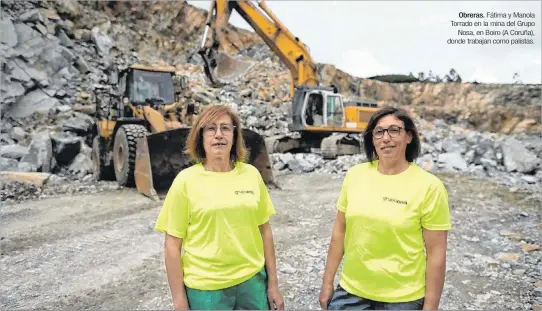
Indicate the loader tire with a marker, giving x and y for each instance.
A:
(124, 153)
(100, 169)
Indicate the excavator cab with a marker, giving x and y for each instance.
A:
(317, 107)
(322, 108)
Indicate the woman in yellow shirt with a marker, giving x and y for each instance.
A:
(391, 225)
(217, 211)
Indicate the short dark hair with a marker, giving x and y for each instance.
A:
(413, 149)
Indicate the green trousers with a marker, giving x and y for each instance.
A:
(249, 295)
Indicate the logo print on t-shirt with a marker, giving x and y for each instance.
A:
(243, 192)
(387, 199)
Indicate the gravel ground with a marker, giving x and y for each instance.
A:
(99, 251)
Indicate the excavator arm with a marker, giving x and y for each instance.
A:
(317, 110)
(289, 48)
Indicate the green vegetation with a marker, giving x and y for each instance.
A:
(395, 78)
(451, 76)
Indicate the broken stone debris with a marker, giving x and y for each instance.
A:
(56, 69)
(514, 160)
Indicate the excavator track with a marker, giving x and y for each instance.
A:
(339, 144)
(281, 144)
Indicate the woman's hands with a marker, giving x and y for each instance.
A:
(276, 302)
(326, 292)
(180, 303)
(334, 256)
(174, 270)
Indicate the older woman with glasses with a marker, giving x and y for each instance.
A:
(218, 212)
(391, 226)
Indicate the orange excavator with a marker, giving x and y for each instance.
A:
(318, 112)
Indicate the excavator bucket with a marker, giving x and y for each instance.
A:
(220, 68)
(161, 156)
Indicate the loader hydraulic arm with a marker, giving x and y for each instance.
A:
(291, 51)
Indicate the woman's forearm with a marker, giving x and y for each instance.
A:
(434, 280)
(174, 270)
(335, 253)
(269, 254)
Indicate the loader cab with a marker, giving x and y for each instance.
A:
(148, 86)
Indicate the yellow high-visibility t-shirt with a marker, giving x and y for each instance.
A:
(217, 215)
(384, 256)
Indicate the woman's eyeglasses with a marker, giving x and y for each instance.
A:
(393, 131)
(210, 129)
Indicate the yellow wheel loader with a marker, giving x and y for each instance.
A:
(139, 138)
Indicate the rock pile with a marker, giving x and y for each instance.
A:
(52, 75)
(16, 191)
(61, 57)
(513, 160)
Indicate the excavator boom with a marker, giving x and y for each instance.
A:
(317, 111)
(289, 48)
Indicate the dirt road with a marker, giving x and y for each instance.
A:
(100, 251)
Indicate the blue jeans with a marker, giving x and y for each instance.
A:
(343, 300)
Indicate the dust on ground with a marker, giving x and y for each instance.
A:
(99, 251)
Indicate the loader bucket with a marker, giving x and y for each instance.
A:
(160, 157)
(257, 155)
